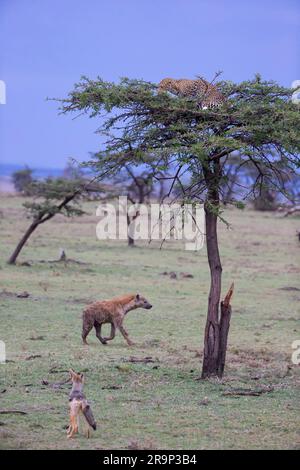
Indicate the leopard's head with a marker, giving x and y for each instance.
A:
(166, 84)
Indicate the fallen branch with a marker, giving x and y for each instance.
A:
(111, 387)
(248, 392)
(15, 412)
(292, 211)
(55, 385)
(65, 261)
(33, 356)
(54, 370)
(23, 295)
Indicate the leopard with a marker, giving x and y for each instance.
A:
(209, 94)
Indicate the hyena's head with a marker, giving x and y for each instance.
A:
(141, 302)
(76, 378)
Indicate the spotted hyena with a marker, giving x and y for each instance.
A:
(113, 312)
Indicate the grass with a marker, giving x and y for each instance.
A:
(160, 404)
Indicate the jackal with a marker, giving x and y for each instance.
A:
(79, 404)
(113, 312)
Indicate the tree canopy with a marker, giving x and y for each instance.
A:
(258, 120)
(53, 196)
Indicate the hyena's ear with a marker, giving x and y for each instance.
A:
(137, 297)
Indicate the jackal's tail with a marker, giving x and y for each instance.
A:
(87, 412)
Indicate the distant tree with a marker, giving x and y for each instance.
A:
(73, 171)
(138, 190)
(50, 197)
(257, 119)
(139, 185)
(293, 187)
(265, 201)
(22, 180)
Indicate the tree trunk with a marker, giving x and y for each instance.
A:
(216, 329)
(130, 220)
(218, 319)
(27, 234)
(129, 238)
(212, 328)
(224, 330)
(130, 241)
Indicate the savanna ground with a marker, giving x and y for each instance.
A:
(159, 404)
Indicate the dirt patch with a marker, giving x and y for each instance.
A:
(140, 360)
(9, 295)
(174, 275)
(36, 338)
(135, 444)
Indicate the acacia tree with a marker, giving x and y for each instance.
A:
(257, 119)
(22, 180)
(50, 197)
(59, 196)
(139, 185)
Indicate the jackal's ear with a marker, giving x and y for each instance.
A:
(137, 297)
(81, 377)
(72, 373)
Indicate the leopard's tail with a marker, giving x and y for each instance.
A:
(87, 412)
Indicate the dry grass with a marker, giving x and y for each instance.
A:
(158, 404)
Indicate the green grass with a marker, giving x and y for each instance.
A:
(156, 405)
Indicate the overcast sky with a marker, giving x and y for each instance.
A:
(46, 45)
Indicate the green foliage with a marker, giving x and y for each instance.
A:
(22, 179)
(49, 197)
(239, 205)
(258, 119)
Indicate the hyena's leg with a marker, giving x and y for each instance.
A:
(112, 333)
(86, 328)
(98, 332)
(125, 335)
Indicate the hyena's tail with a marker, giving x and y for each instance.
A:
(87, 411)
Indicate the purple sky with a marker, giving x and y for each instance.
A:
(47, 45)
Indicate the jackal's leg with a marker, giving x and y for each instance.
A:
(125, 335)
(74, 410)
(73, 427)
(98, 332)
(70, 426)
(69, 430)
(87, 429)
(112, 333)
